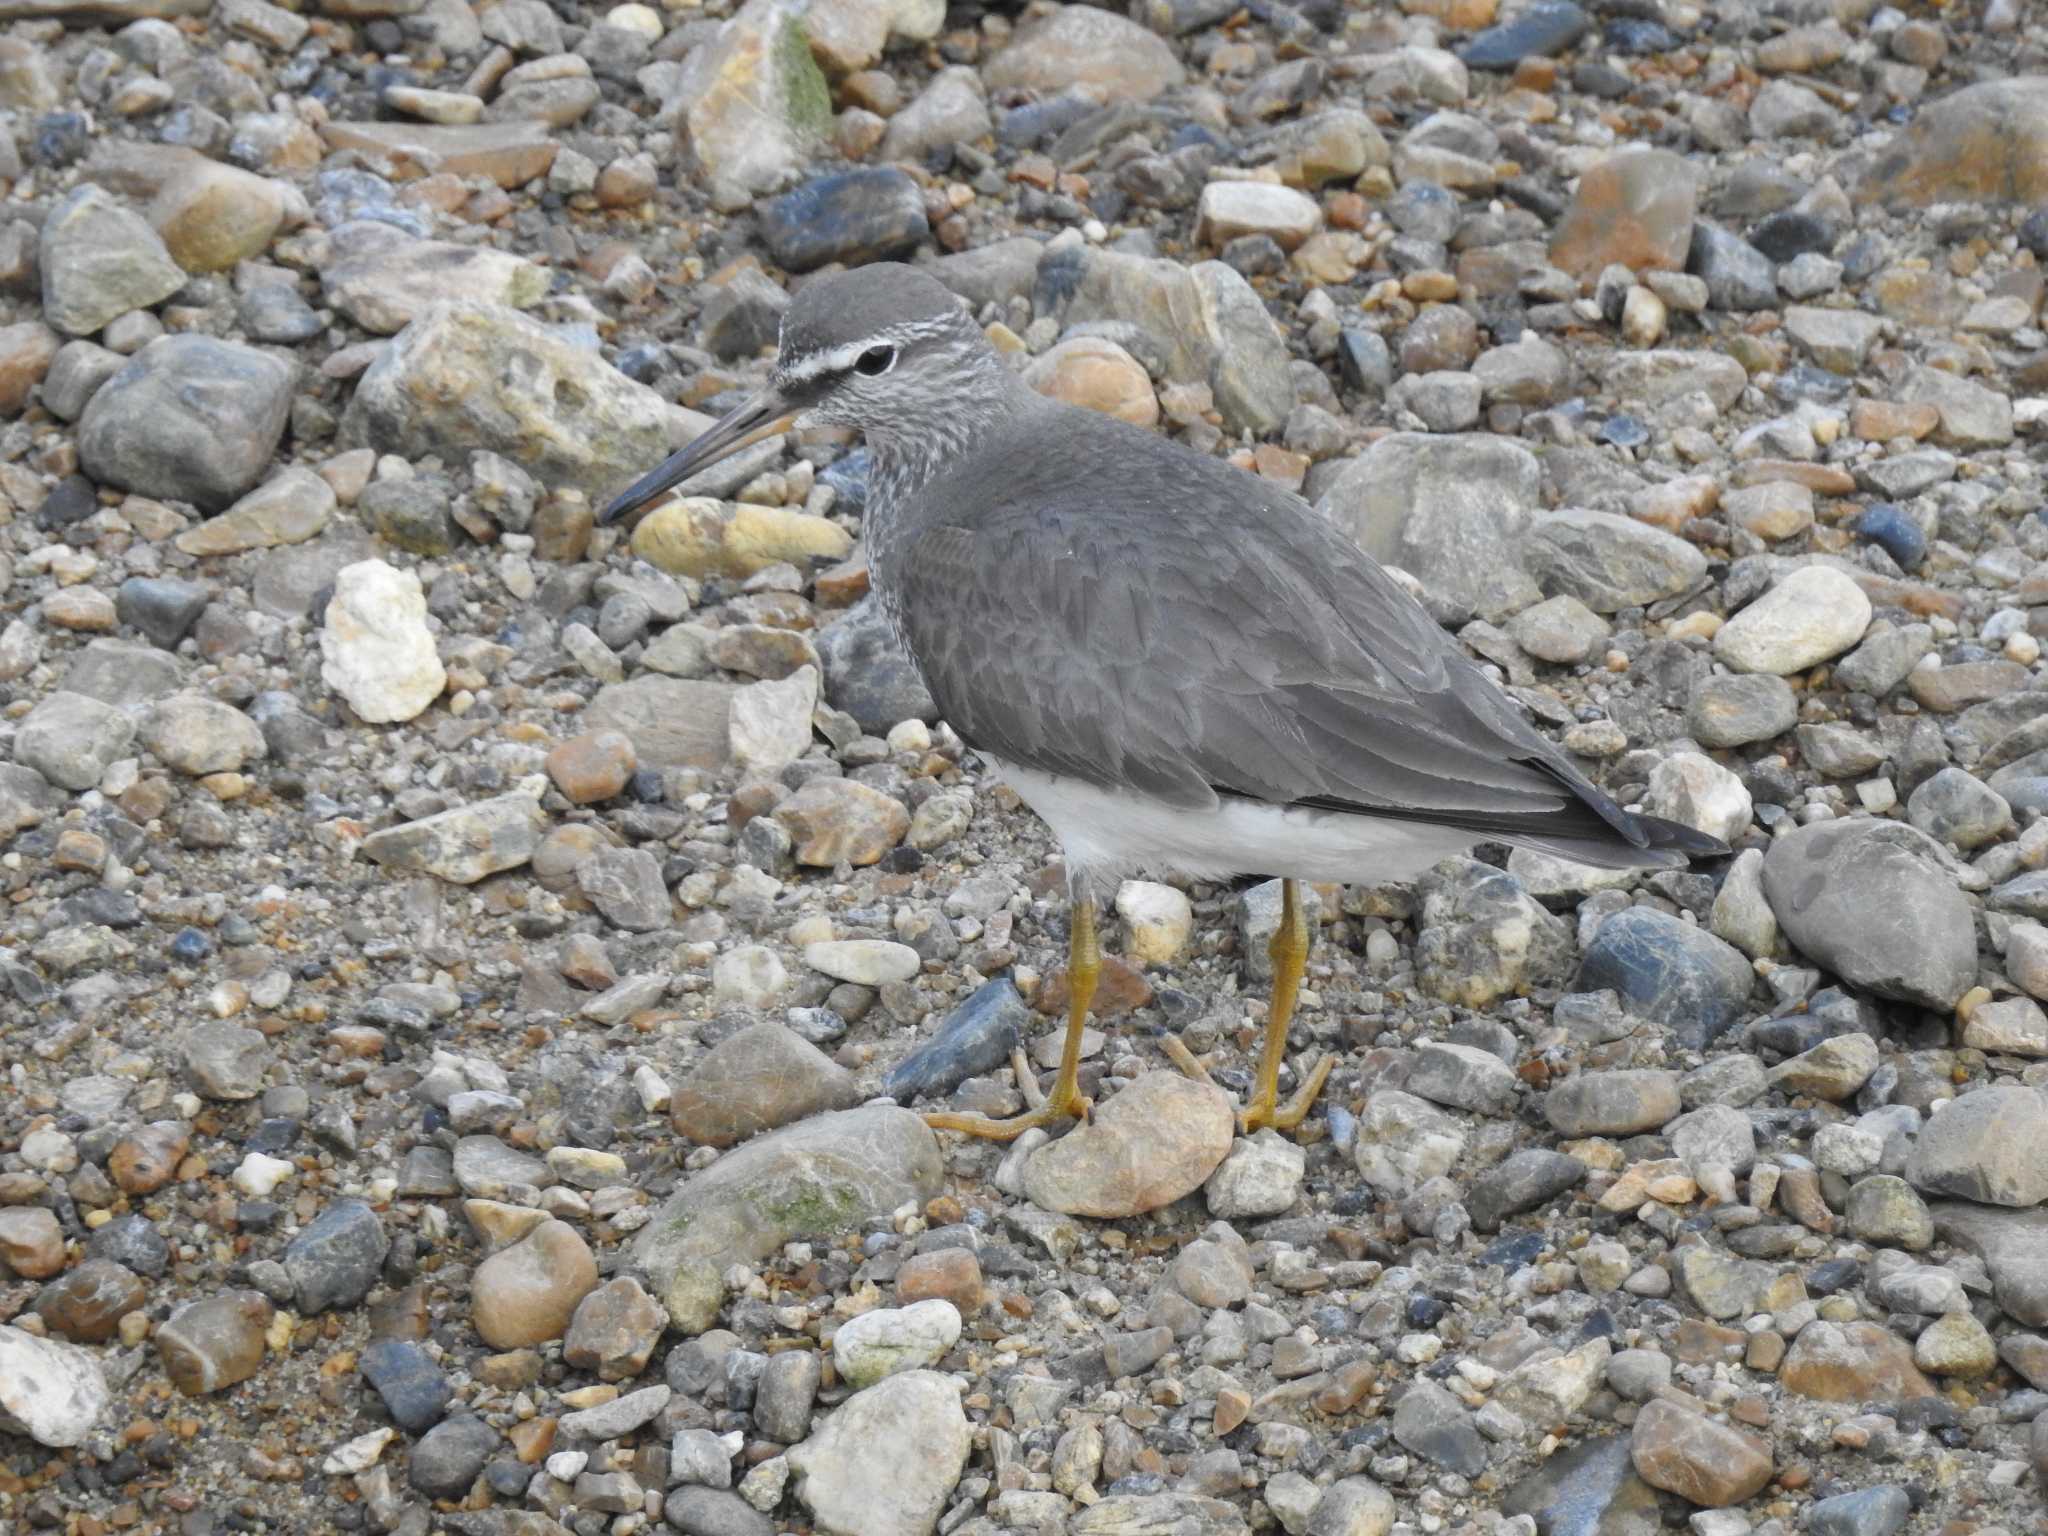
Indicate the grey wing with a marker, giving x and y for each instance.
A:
(1189, 655)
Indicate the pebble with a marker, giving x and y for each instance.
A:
(86, 1304)
(699, 537)
(1706, 1462)
(51, 1391)
(100, 260)
(865, 962)
(468, 376)
(975, 1038)
(465, 844)
(71, 740)
(415, 1390)
(289, 508)
(1097, 1169)
(945, 1274)
(769, 726)
(817, 1178)
(1740, 709)
(1832, 1070)
(196, 735)
(1871, 902)
(763, 1077)
(1402, 1142)
(378, 653)
(625, 885)
(1863, 1512)
(592, 767)
(1260, 1176)
(225, 1061)
(1524, 1181)
(1814, 613)
(1095, 373)
(879, 1344)
(31, 1242)
(210, 1345)
(383, 280)
(527, 1293)
(448, 1458)
(872, 213)
(851, 1492)
(1689, 980)
(1852, 1362)
(1635, 207)
(618, 1418)
(1080, 47)
(337, 1257)
(1984, 1146)
(188, 418)
(833, 821)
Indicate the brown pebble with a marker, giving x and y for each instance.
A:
(527, 1293)
(513, 1371)
(1349, 1383)
(532, 1439)
(614, 1330)
(87, 1304)
(213, 1344)
(949, 1274)
(1119, 989)
(31, 1241)
(1232, 1404)
(146, 1160)
(592, 767)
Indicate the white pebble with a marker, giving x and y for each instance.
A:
(261, 1173)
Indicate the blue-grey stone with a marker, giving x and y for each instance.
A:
(872, 214)
(1521, 1183)
(1791, 232)
(1435, 1426)
(869, 674)
(188, 418)
(132, 1241)
(1866, 1512)
(450, 1455)
(1591, 1489)
(335, 1260)
(1738, 275)
(698, 1511)
(1872, 902)
(977, 1037)
(848, 477)
(1546, 28)
(415, 1390)
(162, 607)
(1886, 526)
(1669, 971)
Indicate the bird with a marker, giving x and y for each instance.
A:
(1180, 667)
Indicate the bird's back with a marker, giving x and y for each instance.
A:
(1092, 601)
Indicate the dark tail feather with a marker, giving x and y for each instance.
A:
(1648, 842)
(1678, 837)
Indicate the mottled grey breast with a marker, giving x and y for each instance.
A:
(845, 308)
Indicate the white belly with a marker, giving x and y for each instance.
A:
(1108, 833)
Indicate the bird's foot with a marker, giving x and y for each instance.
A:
(1055, 1111)
(1264, 1110)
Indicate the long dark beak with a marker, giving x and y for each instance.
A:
(763, 416)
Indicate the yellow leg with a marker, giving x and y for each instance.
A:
(1289, 950)
(1084, 965)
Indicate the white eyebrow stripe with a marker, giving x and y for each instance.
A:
(840, 358)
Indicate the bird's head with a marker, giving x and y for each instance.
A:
(879, 349)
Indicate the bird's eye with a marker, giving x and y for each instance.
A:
(875, 361)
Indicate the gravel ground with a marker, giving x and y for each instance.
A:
(466, 976)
